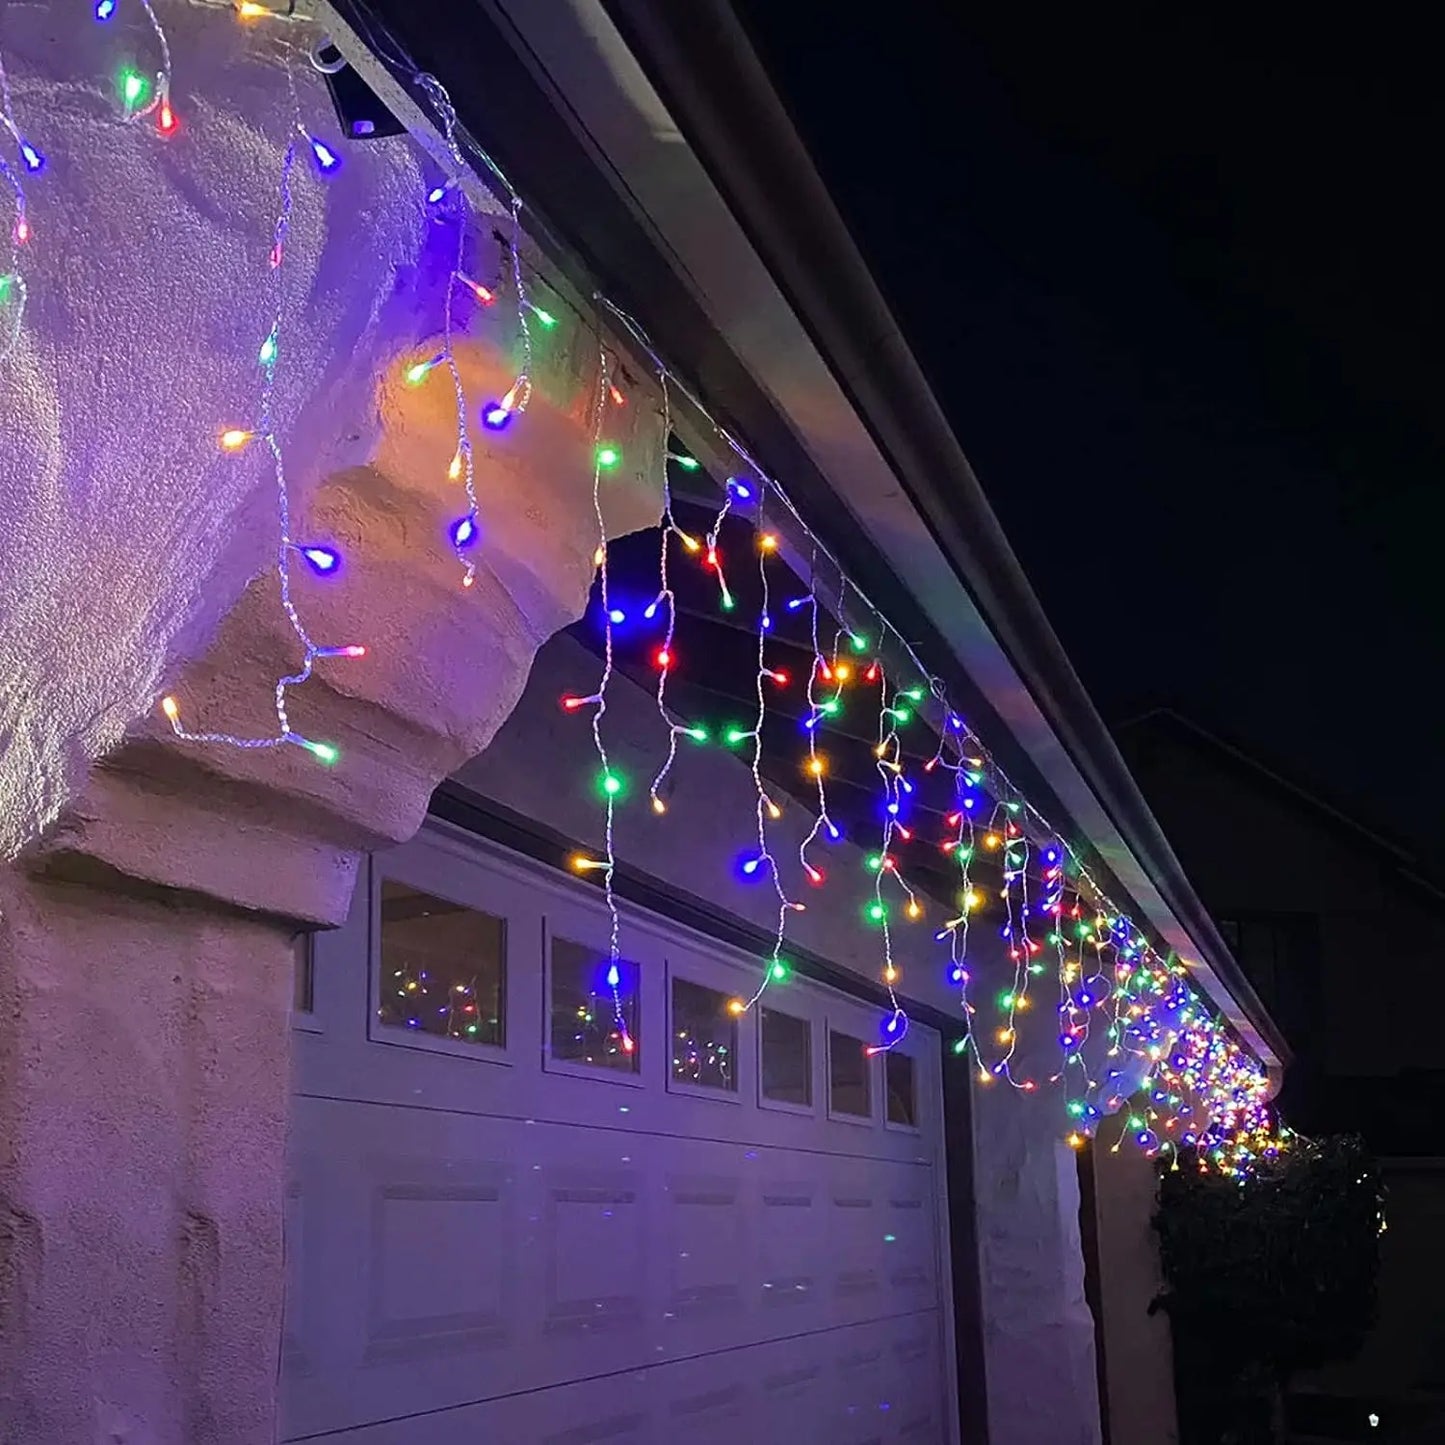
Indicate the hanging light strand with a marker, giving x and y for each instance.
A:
(322, 559)
(990, 776)
(464, 530)
(30, 161)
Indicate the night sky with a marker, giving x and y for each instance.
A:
(1175, 277)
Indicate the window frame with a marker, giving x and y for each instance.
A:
(893, 1125)
(394, 1037)
(636, 1078)
(834, 1025)
(690, 974)
(785, 1106)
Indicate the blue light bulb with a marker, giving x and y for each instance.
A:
(464, 531)
(322, 560)
(326, 159)
(34, 161)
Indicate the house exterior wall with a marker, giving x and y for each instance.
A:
(150, 887)
(1360, 942)
(1138, 1345)
(174, 876)
(1251, 850)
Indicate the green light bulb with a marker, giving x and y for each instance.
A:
(1005, 1001)
(415, 375)
(133, 88)
(609, 784)
(915, 694)
(268, 350)
(688, 464)
(545, 317)
(959, 1045)
(697, 734)
(608, 456)
(877, 912)
(779, 970)
(858, 641)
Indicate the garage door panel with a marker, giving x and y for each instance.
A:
(441, 1258)
(706, 1233)
(486, 1277)
(843, 1387)
(792, 1243)
(593, 1225)
(480, 1248)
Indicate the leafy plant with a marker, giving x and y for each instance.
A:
(1265, 1276)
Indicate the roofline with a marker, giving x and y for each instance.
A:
(730, 113)
(569, 77)
(1400, 857)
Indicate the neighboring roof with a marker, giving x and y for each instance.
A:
(653, 129)
(1405, 862)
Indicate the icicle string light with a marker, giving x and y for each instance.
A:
(766, 809)
(1104, 963)
(324, 559)
(140, 97)
(31, 161)
(665, 656)
(1236, 1083)
(610, 784)
(462, 466)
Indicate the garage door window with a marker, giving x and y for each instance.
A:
(443, 967)
(902, 1099)
(787, 1050)
(704, 1037)
(849, 1093)
(594, 1015)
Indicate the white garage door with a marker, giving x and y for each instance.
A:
(529, 1207)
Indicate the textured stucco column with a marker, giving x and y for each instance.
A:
(1038, 1329)
(150, 888)
(1138, 1346)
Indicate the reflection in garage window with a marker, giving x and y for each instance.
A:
(704, 1037)
(593, 1008)
(787, 1058)
(443, 967)
(848, 1091)
(898, 1076)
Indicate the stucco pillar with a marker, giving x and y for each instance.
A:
(1138, 1347)
(1038, 1329)
(150, 888)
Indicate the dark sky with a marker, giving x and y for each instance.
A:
(1175, 276)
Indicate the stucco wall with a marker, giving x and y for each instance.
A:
(1138, 1346)
(128, 536)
